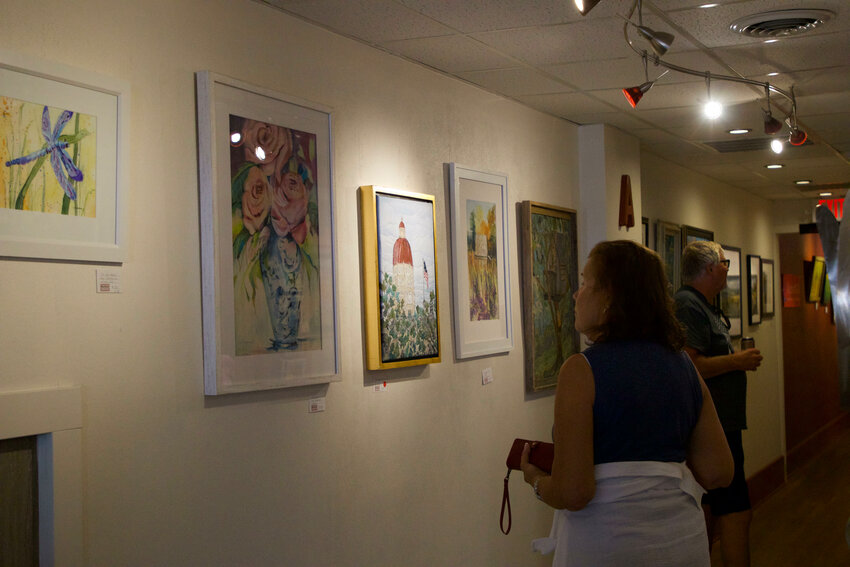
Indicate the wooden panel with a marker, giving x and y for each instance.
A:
(810, 351)
(19, 498)
(767, 481)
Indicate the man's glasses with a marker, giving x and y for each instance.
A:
(725, 262)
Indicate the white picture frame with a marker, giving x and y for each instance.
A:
(278, 250)
(480, 262)
(38, 218)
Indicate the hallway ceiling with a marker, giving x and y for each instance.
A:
(545, 55)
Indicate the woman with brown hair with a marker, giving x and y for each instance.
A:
(637, 438)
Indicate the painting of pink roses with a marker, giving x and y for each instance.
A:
(275, 228)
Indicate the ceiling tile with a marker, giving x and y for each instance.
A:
(372, 21)
(484, 15)
(453, 54)
(565, 105)
(622, 120)
(586, 40)
(514, 82)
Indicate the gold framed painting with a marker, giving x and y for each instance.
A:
(400, 291)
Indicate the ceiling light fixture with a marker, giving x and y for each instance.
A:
(771, 124)
(660, 42)
(797, 136)
(803, 181)
(739, 131)
(585, 6)
(776, 145)
(634, 94)
(825, 194)
(774, 166)
(712, 108)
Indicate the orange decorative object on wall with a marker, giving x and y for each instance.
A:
(627, 210)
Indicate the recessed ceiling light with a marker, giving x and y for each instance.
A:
(774, 166)
(825, 194)
(773, 74)
(740, 131)
(803, 181)
(712, 5)
(771, 40)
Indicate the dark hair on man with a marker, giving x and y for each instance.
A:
(641, 306)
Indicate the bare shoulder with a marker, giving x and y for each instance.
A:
(576, 375)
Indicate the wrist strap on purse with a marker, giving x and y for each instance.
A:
(506, 502)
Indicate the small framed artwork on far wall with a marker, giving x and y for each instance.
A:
(730, 297)
(692, 233)
(754, 288)
(767, 301)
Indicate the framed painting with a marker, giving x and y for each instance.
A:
(814, 279)
(768, 307)
(400, 297)
(668, 244)
(754, 288)
(691, 234)
(480, 270)
(549, 279)
(730, 298)
(267, 244)
(64, 150)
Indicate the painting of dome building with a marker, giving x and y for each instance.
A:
(406, 286)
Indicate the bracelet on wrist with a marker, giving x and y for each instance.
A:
(535, 486)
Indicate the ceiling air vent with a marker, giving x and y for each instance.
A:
(744, 145)
(780, 22)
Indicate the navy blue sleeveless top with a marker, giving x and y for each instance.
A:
(648, 400)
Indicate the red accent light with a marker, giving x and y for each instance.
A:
(633, 95)
(797, 138)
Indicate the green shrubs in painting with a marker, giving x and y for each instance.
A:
(407, 333)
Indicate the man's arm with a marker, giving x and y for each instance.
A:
(711, 366)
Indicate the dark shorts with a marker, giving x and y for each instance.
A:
(736, 496)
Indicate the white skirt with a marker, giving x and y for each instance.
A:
(643, 514)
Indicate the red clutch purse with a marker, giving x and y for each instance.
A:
(541, 456)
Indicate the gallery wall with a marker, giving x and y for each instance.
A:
(411, 475)
(677, 195)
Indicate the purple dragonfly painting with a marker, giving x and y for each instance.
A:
(55, 148)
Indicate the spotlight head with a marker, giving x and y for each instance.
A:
(776, 145)
(634, 94)
(797, 138)
(713, 109)
(659, 41)
(771, 124)
(585, 6)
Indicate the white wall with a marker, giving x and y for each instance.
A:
(677, 195)
(410, 476)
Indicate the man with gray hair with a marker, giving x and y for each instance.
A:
(704, 270)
